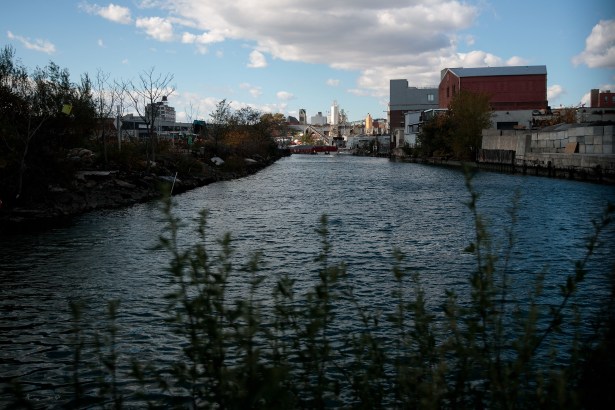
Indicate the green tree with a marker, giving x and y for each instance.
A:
(435, 136)
(220, 120)
(470, 113)
(458, 131)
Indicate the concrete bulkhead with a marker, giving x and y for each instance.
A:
(569, 148)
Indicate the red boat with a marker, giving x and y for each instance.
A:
(312, 149)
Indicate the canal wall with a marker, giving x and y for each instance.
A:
(577, 151)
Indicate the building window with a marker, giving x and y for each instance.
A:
(430, 97)
(454, 90)
(447, 92)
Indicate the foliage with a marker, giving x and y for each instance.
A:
(220, 124)
(435, 137)
(41, 113)
(470, 113)
(244, 132)
(458, 132)
(482, 350)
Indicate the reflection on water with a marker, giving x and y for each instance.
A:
(373, 206)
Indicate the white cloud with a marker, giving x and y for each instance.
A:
(256, 92)
(554, 92)
(333, 82)
(202, 40)
(101, 43)
(111, 12)
(477, 59)
(284, 95)
(201, 49)
(158, 28)
(369, 37)
(205, 38)
(44, 46)
(378, 40)
(599, 47)
(253, 90)
(257, 60)
(516, 60)
(116, 13)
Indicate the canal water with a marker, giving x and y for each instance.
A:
(373, 206)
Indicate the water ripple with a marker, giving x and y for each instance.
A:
(373, 207)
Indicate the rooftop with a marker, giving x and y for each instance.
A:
(497, 71)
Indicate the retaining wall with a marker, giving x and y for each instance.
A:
(569, 148)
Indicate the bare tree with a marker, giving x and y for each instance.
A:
(121, 95)
(104, 100)
(146, 95)
(191, 113)
(191, 116)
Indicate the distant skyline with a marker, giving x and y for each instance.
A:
(286, 55)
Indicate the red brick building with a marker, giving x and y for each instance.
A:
(509, 88)
(604, 99)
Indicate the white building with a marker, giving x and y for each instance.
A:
(165, 113)
(318, 119)
(335, 114)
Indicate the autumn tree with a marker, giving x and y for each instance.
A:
(269, 127)
(252, 133)
(274, 124)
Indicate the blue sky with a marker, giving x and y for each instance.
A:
(284, 55)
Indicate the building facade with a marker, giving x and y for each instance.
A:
(335, 114)
(403, 98)
(604, 99)
(302, 116)
(508, 88)
(164, 112)
(318, 119)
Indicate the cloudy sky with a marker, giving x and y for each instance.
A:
(284, 55)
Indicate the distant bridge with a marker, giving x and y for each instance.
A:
(323, 132)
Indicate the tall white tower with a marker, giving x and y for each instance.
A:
(335, 114)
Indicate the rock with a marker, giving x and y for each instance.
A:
(81, 155)
(83, 175)
(217, 160)
(124, 184)
(95, 189)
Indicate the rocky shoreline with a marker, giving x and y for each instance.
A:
(109, 189)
